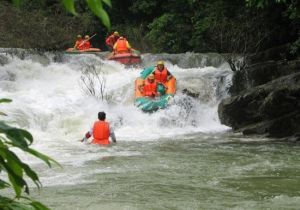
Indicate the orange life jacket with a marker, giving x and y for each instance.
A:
(121, 46)
(101, 133)
(79, 45)
(161, 76)
(86, 45)
(150, 88)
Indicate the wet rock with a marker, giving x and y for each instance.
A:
(190, 93)
(271, 109)
(3, 60)
(262, 73)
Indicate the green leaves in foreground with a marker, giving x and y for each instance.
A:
(23, 204)
(70, 6)
(16, 169)
(96, 6)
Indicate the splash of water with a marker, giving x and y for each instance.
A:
(50, 100)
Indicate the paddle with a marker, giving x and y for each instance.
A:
(135, 52)
(87, 40)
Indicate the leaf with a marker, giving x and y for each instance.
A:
(105, 18)
(5, 100)
(41, 156)
(29, 172)
(17, 182)
(108, 3)
(38, 206)
(3, 184)
(19, 137)
(97, 8)
(70, 6)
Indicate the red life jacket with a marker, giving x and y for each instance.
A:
(86, 45)
(79, 45)
(161, 76)
(111, 40)
(101, 133)
(150, 88)
(121, 46)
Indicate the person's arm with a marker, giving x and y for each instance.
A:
(87, 135)
(128, 45)
(76, 45)
(112, 135)
(169, 75)
(114, 48)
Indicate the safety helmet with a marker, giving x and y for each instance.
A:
(160, 63)
(79, 36)
(151, 76)
(116, 33)
(86, 36)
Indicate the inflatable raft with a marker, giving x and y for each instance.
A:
(148, 104)
(127, 58)
(86, 51)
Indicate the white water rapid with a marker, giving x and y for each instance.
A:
(50, 100)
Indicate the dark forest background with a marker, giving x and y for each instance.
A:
(171, 26)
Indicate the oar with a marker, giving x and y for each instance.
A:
(135, 51)
(87, 40)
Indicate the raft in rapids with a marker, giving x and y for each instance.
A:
(148, 104)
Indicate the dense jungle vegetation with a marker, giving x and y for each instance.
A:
(171, 26)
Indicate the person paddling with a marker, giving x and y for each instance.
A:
(122, 46)
(112, 39)
(79, 43)
(101, 131)
(86, 44)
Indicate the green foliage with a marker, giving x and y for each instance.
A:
(263, 3)
(70, 6)
(164, 36)
(96, 6)
(162, 26)
(143, 7)
(16, 169)
(295, 47)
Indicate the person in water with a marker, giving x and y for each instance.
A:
(112, 39)
(122, 46)
(79, 43)
(101, 131)
(150, 86)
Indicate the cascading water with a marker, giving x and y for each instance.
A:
(51, 100)
(176, 158)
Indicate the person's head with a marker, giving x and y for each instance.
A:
(79, 37)
(151, 78)
(116, 33)
(121, 37)
(101, 116)
(86, 37)
(160, 65)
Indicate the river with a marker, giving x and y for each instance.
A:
(177, 158)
